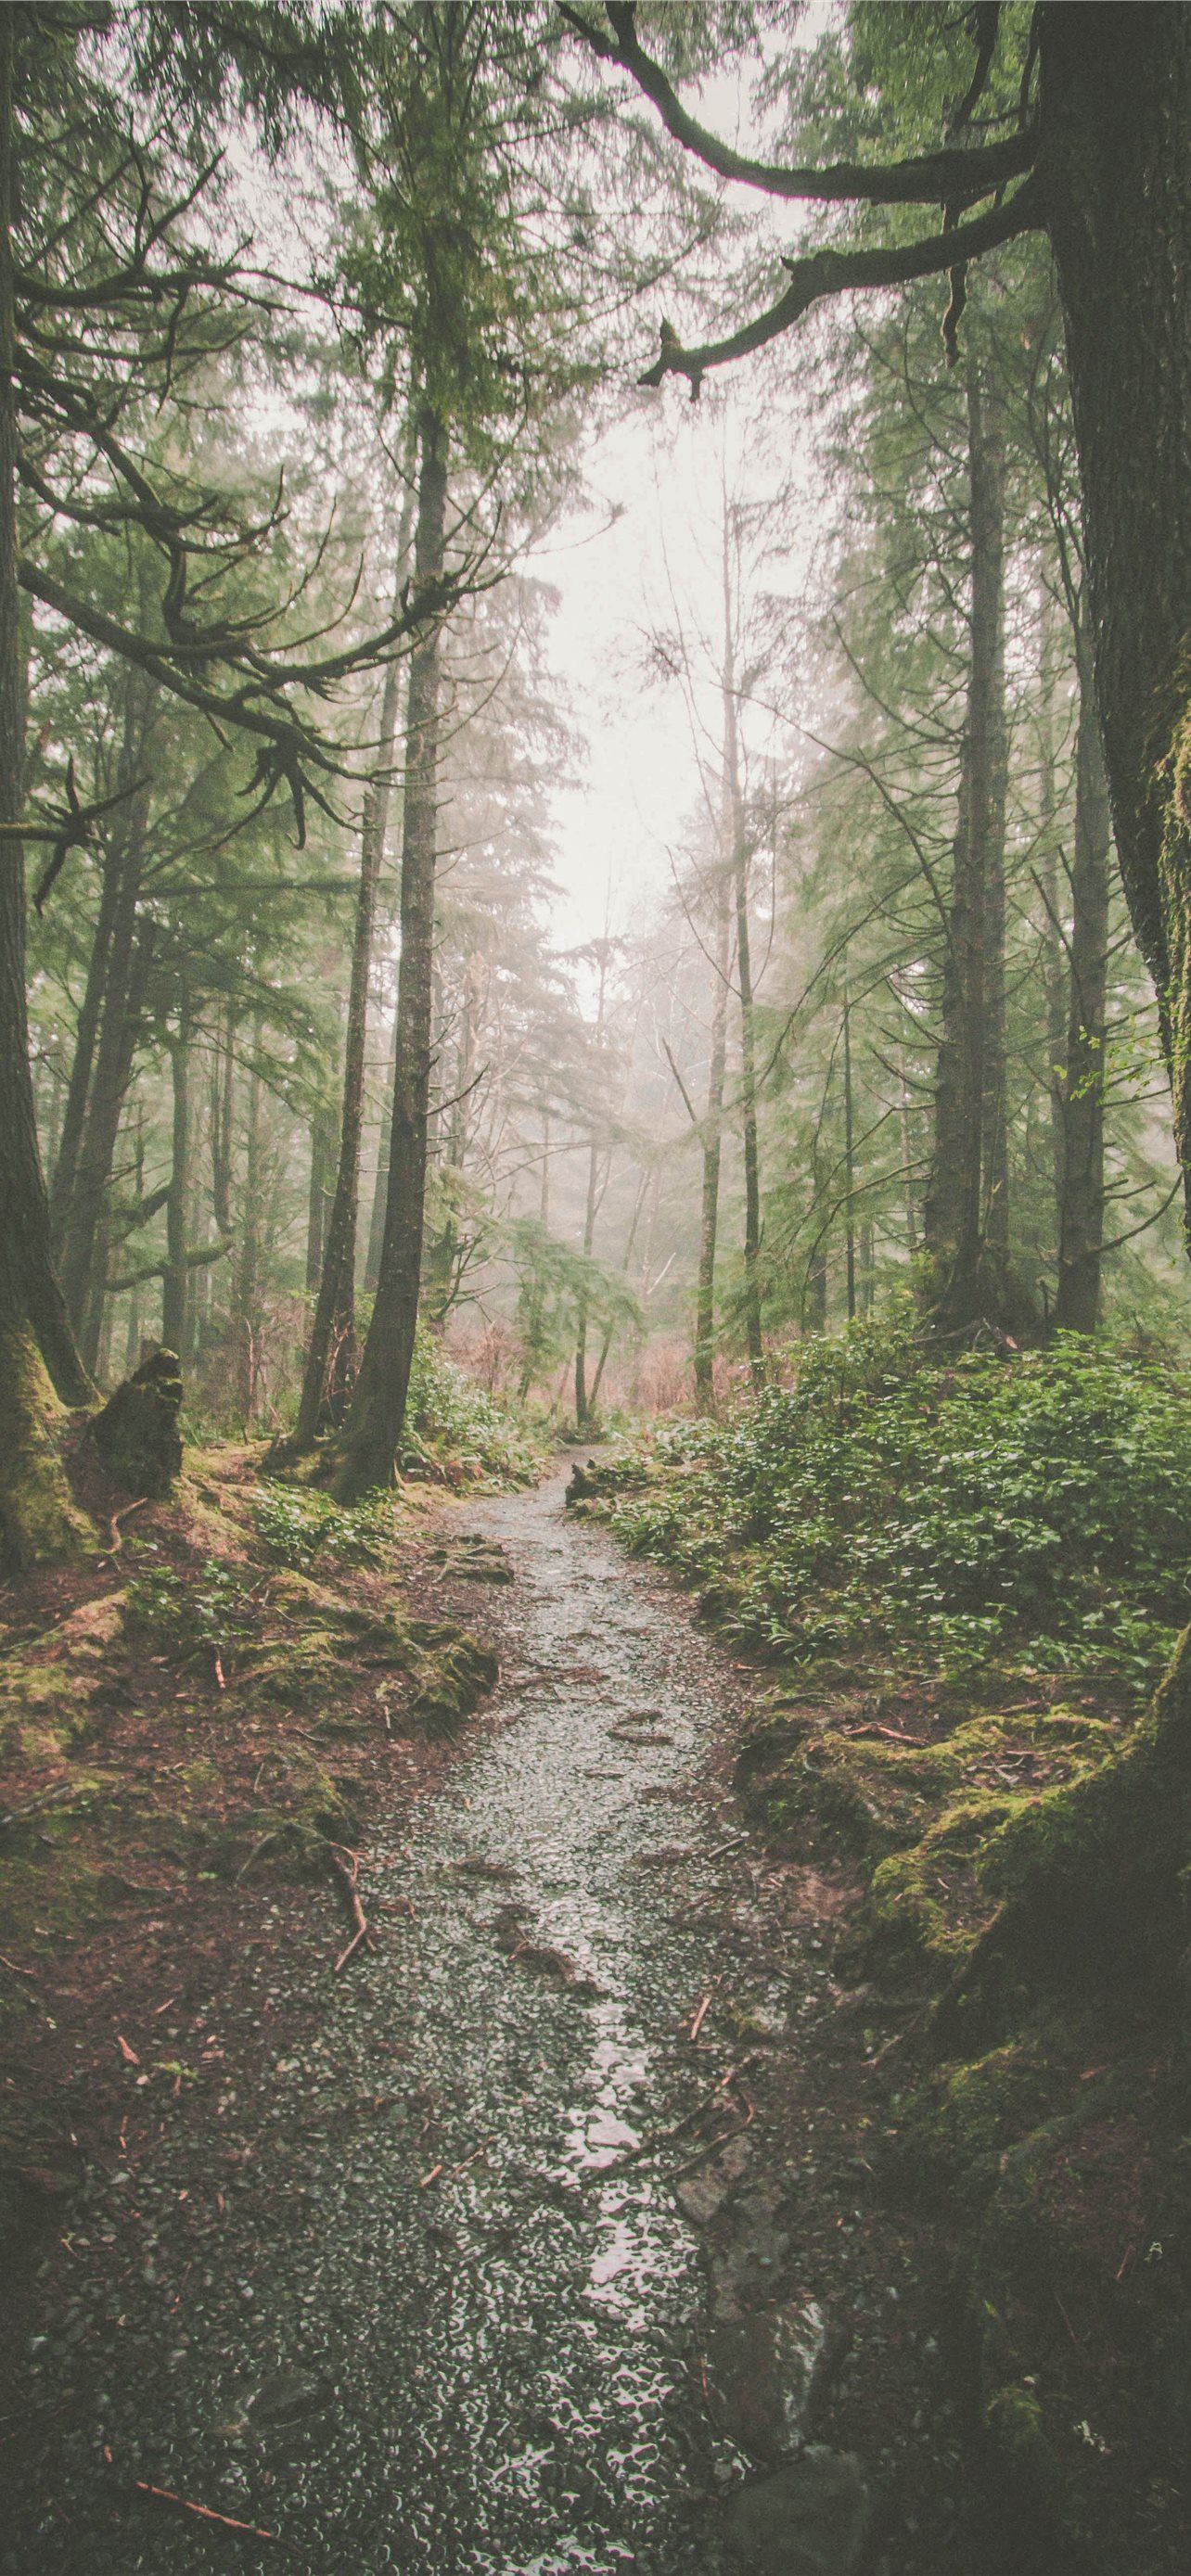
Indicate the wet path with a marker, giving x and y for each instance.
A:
(446, 2325)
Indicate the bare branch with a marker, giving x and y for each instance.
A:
(953, 177)
(834, 272)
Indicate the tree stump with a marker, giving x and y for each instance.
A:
(137, 1433)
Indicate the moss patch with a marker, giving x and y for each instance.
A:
(39, 1522)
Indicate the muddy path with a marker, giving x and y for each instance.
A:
(418, 2300)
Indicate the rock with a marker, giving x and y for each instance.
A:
(137, 1433)
(703, 2193)
(286, 2395)
(764, 2373)
(813, 2518)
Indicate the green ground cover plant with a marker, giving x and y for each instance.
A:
(1015, 1508)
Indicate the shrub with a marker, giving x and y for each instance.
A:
(992, 1505)
(455, 1418)
(301, 1528)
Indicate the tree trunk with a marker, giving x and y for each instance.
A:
(849, 1166)
(736, 856)
(378, 1408)
(331, 1360)
(1116, 112)
(990, 781)
(591, 1209)
(1054, 956)
(967, 1196)
(178, 1275)
(78, 1088)
(322, 1153)
(222, 1096)
(380, 1187)
(1081, 1203)
(38, 1357)
(443, 1281)
(129, 960)
(713, 1127)
(246, 1274)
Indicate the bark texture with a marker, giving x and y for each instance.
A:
(1116, 113)
(39, 1361)
(965, 1218)
(1081, 1194)
(377, 1414)
(713, 1136)
(332, 1359)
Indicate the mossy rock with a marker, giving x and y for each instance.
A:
(453, 1671)
(955, 2128)
(1024, 2464)
(137, 1432)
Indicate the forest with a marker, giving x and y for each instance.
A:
(595, 1321)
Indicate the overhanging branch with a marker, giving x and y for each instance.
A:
(834, 272)
(955, 177)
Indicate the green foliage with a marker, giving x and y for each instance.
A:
(188, 1614)
(302, 1528)
(455, 1418)
(555, 1285)
(1028, 1507)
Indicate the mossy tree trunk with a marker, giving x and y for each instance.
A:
(178, 1274)
(40, 1367)
(735, 858)
(1116, 113)
(603, 953)
(332, 1358)
(1081, 1193)
(966, 1211)
(377, 1416)
(713, 1146)
(83, 1258)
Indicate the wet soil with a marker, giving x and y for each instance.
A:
(436, 2266)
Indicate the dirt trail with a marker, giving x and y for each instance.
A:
(445, 2318)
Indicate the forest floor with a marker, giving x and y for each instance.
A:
(556, 2229)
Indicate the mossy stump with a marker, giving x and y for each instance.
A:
(137, 1433)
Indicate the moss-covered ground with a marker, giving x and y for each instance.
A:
(961, 1721)
(203, 1707)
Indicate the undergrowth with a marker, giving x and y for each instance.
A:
(300, 1527)
(1024, 1509)
(455, 1419)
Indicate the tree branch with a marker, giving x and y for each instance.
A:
(950, 176)
(834, 272)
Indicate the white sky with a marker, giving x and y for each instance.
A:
(638, 786)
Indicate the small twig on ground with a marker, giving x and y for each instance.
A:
(206, 2513)
(12, 1965)
(67, 1794)
(649, 2146)
(348, 1865)
(733, 1844)
(110, 1553)
(704, 2153)
(255, 1853)
(448, 2172)
(701, 2015)
(892, 1734)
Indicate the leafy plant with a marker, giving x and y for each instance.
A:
(1028, 1506)
(301, 1528)
(455, 1418)
(187, 1614)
